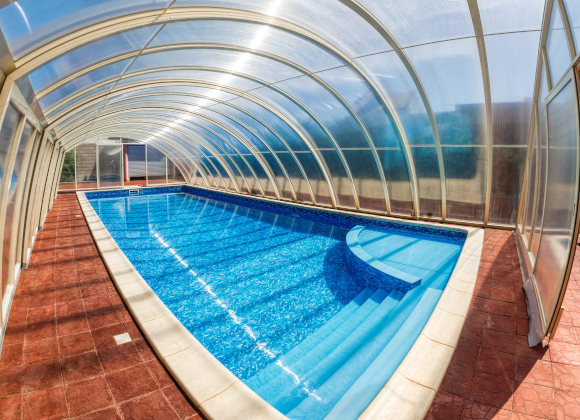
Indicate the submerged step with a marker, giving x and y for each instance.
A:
(285, 396)
(352, 388)
(274, 369)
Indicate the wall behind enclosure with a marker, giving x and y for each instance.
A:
(104, 162)
(27, 157)
(547, 223)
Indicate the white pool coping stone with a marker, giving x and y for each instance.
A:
(220, 395)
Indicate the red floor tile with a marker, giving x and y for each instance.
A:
(155, 405)
(87, 396)
(130, 383)
(47, 403)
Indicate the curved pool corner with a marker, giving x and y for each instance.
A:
(219, 394)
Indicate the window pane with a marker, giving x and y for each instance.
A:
(12, 217)
(155, 166)
(7, 134)
(529, 203)
(134, 164)
(561, 198)
(465, 182)
(543, 156)
(367, 179)
(428, 180)
(29, 24)
(573, 11)
(398, 183)
(507, 174)
(298, 182)
(250, 35)
(340, 180)
(110, 166)
(281, 180)
(499, 15)
(88, 55)
(86, 165)
(316, 178)
(557, 46)
(451, 74)
(67, 176)
(512, 60)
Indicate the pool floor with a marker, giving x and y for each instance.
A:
(271, 298)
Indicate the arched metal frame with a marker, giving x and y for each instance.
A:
(257, 18)
(161, 17)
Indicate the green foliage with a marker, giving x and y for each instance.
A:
(68, 168)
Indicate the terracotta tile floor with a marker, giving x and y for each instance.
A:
(494, 374)
(59, 358)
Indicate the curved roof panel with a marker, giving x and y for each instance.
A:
(402, 107)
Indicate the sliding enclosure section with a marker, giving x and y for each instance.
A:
(558, 236)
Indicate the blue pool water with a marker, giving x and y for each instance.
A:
(270, 295)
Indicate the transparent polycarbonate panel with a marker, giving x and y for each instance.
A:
(79, 100)
(398, 181)
(86, 165)
(557, 48)
(365, 103)
(531, 189)
(236, 173)
(298, 182)
(316, 178)
(7, 134)
(67, 175)
(175, 76)
(333, 114)
(367, 179)
(110, 165)
(414, 22)
(393, 80)
(84, 82)
(329, 19)
(275, 122)
(251, 123)
(543, 163)
(30, 24)
(234, 128)
(339, 178)
(573, 12)
(217, 181)
(156, 166)
(561, 198)
(210, 93)
(253, 182)
(309, 126)
(465, 182)
(512, 60)
(506, 184)
(12, 217)
(223, 175)
(109, 140)
(183, 102)
(283, 182)
(75, 121)
(499, 16)
(244, 63)
(451, 74)
(214, 130)
(259, 37)
(90, 54)
(258, 168)
(428, 181)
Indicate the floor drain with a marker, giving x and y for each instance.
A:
(123, 338)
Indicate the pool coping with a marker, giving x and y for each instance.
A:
(219, 394)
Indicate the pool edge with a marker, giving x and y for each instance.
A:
(408, 393)
(217, 392)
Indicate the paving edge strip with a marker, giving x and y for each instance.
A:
(219, 394)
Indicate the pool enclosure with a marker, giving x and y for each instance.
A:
(463, 112)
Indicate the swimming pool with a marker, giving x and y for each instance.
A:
(270, 296)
